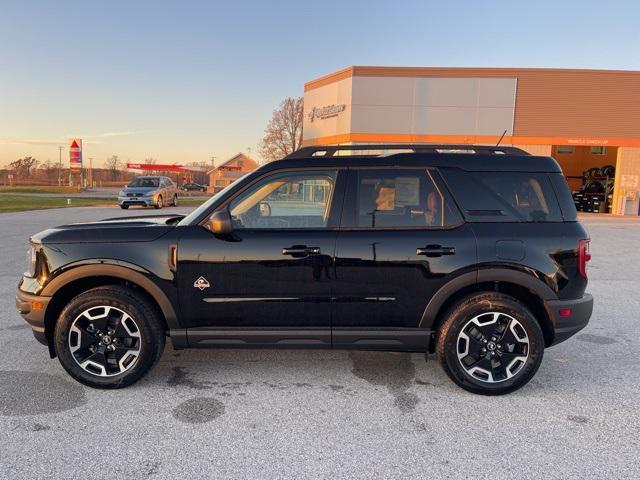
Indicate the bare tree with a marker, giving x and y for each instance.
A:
(114, 165)
(283, 134)
(22, 167)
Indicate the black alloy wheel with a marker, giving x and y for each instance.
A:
(109, 337)
(490, 343)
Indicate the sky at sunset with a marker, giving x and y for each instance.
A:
(184, 81)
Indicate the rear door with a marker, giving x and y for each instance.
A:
(401, 239)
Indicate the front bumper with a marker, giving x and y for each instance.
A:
(32, 308)
(567, 326)
(144, 201)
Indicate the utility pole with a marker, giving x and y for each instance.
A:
(212, 161)
(60, 148)
(90, 179)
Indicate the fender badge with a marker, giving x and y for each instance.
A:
(201, 283)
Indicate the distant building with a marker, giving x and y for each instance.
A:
(229, 171)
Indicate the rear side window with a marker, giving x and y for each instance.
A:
(504, 196)
(567, 206)
(397, 198)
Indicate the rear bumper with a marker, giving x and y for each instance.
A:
(32, 308)
(567, 326)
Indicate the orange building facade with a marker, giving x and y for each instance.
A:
(228, 172)
(586, 119)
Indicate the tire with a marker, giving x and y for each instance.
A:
(203, 190)
(124, 207)
(159, 203)
(514, 328)
(86, 322)
(175, 201)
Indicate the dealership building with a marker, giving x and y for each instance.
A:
(588, 120)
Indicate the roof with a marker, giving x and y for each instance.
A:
(238, 156)
(480, 161)
(374, 71)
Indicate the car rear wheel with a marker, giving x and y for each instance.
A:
(490, 343)
(158, 202)
(174, 203)
(109, 337)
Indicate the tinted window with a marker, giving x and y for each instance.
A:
(567, 206)
(504, 196)
(389, 198)
(281, 201)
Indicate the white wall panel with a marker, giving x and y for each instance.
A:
(420, 106)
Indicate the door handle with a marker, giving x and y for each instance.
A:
(301, 251)
(435, 251)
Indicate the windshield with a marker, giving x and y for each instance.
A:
(206, 205)
(145, 182)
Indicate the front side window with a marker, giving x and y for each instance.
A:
(284, 201)
(402, 199)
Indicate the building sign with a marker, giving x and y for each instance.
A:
(327, 111)
(629, 181)
(75, 155)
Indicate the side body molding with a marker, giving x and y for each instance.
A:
(525, 280)
(118, 271)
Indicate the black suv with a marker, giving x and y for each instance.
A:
(470, 252)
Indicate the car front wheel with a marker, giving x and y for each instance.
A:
(490, 343)
(158, 202)
(109, 337)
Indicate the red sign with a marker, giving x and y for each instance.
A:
(75, 155)
(166, 168)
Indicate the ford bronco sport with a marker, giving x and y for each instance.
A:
(470, 252)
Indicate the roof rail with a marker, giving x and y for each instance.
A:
(330, 150)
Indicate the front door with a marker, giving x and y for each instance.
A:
(273, 272)
(401, 239)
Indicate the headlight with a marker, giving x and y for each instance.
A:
(121, 193)
(31, 261)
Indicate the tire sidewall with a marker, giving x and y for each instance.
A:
(140, 312)
(472, 307)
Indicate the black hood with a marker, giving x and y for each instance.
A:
(123, 229)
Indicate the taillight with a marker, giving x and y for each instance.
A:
(583, 256)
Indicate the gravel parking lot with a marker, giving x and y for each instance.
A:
(328, 414)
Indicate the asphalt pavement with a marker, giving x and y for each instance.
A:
(327, 414)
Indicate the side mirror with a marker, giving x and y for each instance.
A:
(220, 223)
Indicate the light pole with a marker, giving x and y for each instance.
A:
(60, 165)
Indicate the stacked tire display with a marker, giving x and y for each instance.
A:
(596, 192)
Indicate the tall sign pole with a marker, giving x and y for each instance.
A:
(75, 158)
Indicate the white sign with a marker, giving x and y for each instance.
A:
(326, 111)
(629, 181)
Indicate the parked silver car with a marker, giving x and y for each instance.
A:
(149, 191)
